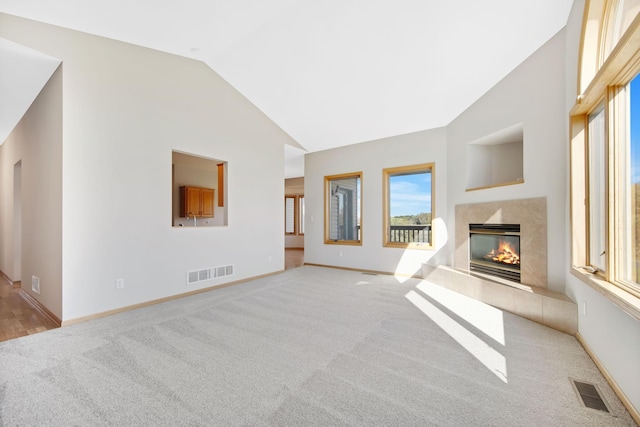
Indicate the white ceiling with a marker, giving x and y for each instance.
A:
(332, 72)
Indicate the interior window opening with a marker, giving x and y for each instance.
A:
(198, 191)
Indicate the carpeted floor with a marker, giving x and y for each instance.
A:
(311, 346)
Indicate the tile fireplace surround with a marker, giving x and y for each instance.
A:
(531, 214)
(530, 298)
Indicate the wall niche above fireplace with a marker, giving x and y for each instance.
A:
(497, 159)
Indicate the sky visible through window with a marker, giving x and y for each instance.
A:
(410, 194)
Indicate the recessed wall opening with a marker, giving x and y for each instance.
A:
(198, 191)
(496, 159)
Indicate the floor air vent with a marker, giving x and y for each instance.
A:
(197, 276)
(590, 396)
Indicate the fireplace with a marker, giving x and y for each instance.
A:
(494, 249)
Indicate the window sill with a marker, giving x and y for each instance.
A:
(501, 184)
(416, 246)
(628, 302)
(343, 242)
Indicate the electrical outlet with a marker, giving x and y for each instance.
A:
(584, 308)
(119, 283)
(339, 253)
(270, 258)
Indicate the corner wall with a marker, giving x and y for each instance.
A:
(36, 142)
(532, 94)
(125, 109)
(612, 335)
(371, 158)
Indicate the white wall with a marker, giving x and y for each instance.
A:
(125, 109)
(36, 142)
(532, 94)
(611, 334)
(371, 158)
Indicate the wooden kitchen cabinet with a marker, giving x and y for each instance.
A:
(196, 201)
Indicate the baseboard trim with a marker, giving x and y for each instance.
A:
(623, 398)
(165, 299)
(364, 270)
(7, 278)
(37, 305)
(14, 284)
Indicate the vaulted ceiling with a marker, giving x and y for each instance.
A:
(332, 72)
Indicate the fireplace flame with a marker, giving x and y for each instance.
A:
(505, 254)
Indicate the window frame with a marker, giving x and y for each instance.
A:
(387, 173)
(327, 205)
(295, 215)
(608, 81)
(602, 216)
(298, 213)
(300, 216)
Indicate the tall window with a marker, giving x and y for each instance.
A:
(597, 189)
(301, 215)
(630, 190)
(294, 215)
(408, 208)
(343, 202)
(289, 215)
(605, 151)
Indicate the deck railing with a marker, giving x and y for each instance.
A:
(401, 233)
(410, 233)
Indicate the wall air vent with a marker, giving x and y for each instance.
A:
(196, 276)
(35, 284)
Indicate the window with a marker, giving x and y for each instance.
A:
(629, 180)
(294, 215)
(343, 203)
(289, 215)
(408, 206)
(618, 19)
(605, 153)
(597, 189)
(301, 215)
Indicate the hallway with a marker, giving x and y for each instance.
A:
(293, 258)
(18, 317)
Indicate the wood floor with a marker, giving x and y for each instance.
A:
(293, 258)
(18, 317)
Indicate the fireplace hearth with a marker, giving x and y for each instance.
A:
(494, 249)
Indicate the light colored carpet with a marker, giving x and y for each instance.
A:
(311, 346)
